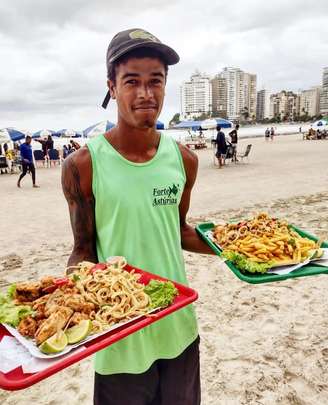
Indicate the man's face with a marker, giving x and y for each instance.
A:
(28, 140)
(139, 91)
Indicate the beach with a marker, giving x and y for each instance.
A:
(260, 344)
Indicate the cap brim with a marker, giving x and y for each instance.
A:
(106, 100)
(169, 54)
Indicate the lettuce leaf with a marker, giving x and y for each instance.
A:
(161, 293)
(9, 312)
(244, 264)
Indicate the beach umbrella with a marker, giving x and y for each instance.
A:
(4, 136)
(15, 134)
(68, 133)
(97, 129)
(159, 125)
(42, 133)
(213, 122)
(323, 123)
(194, 125)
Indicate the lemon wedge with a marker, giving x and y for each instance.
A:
(55, 343)
(79, 332)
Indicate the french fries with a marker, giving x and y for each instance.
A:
(264, 239)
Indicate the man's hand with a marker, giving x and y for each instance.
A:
(77, 188)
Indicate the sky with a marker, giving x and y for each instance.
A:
(52, 64)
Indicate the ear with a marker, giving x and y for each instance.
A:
(111, 87)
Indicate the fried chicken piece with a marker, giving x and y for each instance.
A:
(27, 327)
(27, 291)
(77, 318)
(47, 281)
(55, 322)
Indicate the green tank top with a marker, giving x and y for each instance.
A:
(137, 216)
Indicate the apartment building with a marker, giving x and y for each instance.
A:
(262, 105)
(284, 105)
(196, 96)
(324, 93)
(310, 101)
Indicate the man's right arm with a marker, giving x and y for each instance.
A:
(77, 188)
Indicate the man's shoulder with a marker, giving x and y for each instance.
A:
(81, 159)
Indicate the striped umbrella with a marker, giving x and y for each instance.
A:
(42, 133)
(97, 129)
(15, 134)
(68, 133)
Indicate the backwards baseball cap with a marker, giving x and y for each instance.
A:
(128, 40)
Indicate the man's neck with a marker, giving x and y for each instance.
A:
(135, 144)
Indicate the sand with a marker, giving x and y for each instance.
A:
(260, 344)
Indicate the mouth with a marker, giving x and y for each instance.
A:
(145, 108)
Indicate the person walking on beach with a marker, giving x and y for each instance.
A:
(234, 140)
(221, 146)
(27, 161)
(128, 193)
(267, 134)
(272, 133)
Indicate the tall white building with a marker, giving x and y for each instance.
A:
(310, 101)
(196, 96)
(324, 93)
(241, 93)
(263, 105)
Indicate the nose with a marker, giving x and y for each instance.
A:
(145, 92)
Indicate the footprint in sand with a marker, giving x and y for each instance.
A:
(10, 262)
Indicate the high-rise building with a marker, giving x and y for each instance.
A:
(196, 96)
(219, 96)
(250, 94)
(284, 105)
(310, 102)
(324, 93)
(241, 93)
(263, 105)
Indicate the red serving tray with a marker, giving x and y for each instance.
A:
(16, 379)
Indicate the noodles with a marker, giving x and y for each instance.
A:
(115, 292)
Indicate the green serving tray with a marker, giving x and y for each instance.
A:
(310, 269)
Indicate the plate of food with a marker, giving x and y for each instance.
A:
(265, 249)
(94, 306)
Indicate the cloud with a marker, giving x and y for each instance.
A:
(53, 53)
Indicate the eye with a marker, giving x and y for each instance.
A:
(131, 81)
(156, 81)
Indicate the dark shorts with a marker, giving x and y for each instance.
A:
(166, 382)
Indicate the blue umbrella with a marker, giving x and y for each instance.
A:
(159, 125)
(194, 125)
(15, 135)
(42, 133)
(211, 123)
(99, 128)
(68, 133)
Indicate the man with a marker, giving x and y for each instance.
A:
(27, 161)
(234, 140)
(221, 146)
(267, 134)
(128, 193)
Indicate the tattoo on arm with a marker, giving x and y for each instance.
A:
(81, 208)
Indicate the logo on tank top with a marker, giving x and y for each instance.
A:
(166, 195)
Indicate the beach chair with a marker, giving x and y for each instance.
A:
(54, 156)
(3, 165)
(244, 155)
(38, 157)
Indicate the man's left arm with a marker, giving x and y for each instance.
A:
(190, 240)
